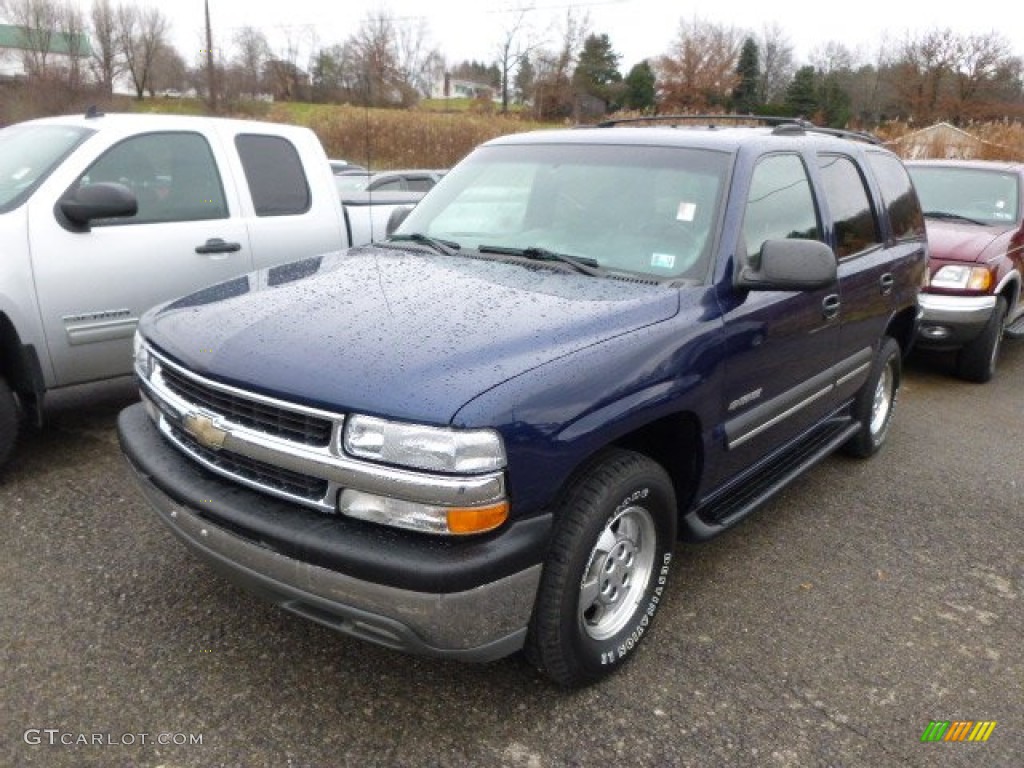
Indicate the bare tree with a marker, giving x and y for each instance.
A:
(922, 72)
(247, 66)
(699, 71)
(71, 25)
(978, 62)
(553, 92)
(512, 51)
(777, 67)
(106, 62)
(141, 35)
(168, 72)
(419, 65)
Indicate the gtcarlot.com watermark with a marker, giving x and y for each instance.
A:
(56, 737)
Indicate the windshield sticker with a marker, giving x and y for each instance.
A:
(663, 260)
(686, 212)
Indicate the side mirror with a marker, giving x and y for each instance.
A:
(398, 215)
(790, 265)
(102, 200)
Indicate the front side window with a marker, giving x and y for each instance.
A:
(856, 227)
(645, 210)
(273, 169)
(173, 175)
(780, 205)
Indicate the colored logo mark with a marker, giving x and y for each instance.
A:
(958, 730)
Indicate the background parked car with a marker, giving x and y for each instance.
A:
(974, 217)
(344, 166)
(387, 181)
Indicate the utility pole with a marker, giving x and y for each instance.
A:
(211, 72)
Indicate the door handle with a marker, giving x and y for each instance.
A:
(216, 245)
(830, 305)
(886, 282)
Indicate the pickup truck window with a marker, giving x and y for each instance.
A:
(780, 204)
(852, 215)
(277, 180)
(28, 153)
(173, 175)
(900, 198)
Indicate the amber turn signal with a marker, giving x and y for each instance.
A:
(464, 520)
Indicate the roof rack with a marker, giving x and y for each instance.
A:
(782, 125)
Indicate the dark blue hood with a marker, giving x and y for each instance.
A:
(397, 333)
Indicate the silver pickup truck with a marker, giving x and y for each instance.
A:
(103, 216)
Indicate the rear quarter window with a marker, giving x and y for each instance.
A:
(900, 198)
(274, 172)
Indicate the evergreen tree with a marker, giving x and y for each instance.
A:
(802, 94)
(639, 93)
(745, 95)
(597, 71)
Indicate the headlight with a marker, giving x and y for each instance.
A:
(458, 451)
(143, 360)
(962, 278)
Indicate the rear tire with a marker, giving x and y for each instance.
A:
(876, 401)
(977, 360)
(606, 571)
(9, 422)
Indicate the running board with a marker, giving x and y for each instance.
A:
(1015, 330)
(731, 505)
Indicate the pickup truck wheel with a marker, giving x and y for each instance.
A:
(8, 422)
(606, 571)
(876, 401)
(976, 361)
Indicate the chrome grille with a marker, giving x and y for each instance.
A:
(260, 473)
(296, 426)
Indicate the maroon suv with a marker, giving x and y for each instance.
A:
(973, 210)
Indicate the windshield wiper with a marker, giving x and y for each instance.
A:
(947, 216)
(581, 264)
(447, 247)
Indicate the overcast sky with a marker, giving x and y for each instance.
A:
(637, 29)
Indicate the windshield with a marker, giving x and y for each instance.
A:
(28, 153)
(985, 196)
(644, 210)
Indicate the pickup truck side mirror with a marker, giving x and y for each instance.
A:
(102, 200)
(398, 215)
(789, 265)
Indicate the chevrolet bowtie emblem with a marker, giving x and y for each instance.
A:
(205, 430)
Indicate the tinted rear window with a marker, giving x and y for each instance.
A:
(277, 180)
(899, 196)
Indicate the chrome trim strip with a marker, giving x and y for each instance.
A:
(324, 463)
(853, 374)
(781, 417)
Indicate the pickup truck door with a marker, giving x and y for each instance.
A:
(93, 285)
(781, 346)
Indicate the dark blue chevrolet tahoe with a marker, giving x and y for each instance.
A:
(486, 433)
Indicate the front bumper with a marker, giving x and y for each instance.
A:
(948, 322)
(469, 600)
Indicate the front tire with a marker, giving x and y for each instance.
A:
(977, 361)
(876, 401)
(606, 571)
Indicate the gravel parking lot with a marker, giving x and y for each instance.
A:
(867, 600)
